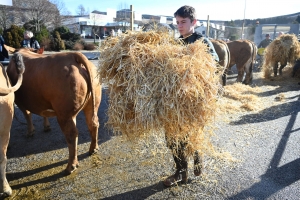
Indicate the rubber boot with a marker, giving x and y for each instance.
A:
(181, 174)
(198, 165)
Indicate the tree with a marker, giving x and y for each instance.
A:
(95, 19)
(81, 10)
(58, 43)
(4, 17)
(39, 11)
(13, 36)
(61, 13)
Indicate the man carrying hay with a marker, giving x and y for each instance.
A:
(186, 20)
(156, 84)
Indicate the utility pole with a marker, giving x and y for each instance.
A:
(207, 27)
(242, 34)
(131, 17)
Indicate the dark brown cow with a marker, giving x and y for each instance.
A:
(242, 54)
(6, 115)
(60, 85)
(224, 56)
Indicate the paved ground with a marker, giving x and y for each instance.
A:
(264, 145)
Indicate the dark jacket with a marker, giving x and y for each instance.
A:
(197, 36)
(33, 43)
(264, 43)
(3, 52)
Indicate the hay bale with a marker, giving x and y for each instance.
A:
(157, 84)
(283, 49)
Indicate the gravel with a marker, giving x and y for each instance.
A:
(263, 147)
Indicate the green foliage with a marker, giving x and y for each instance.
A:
(270, 20)
(30, 26)
(61, 30)
(233, 37)
(13, 36)
(231, 23)
(44, 33)
(57, 43)
(69, 44)
(74, 37)
(70, 39)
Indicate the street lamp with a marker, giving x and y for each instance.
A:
(242, 34)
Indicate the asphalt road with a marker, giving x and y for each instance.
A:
(264, 145)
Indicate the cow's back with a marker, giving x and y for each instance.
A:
(222, 51)
(240, 51)
(53, 82)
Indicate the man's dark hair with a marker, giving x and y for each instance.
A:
(186, 11)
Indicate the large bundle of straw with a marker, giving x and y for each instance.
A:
(158, 84)
(283, 49)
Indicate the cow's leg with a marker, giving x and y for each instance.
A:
(296, 68)
(249, 74)
(224, 77)
(275, 67)
(92, 120)
(241, 72)
(28, 118)
(68, 127)
(281, 68)
(46, 124)
(5, 189)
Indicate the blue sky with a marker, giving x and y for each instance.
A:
(216, 9)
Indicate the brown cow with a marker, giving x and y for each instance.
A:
(224, 56)
(60, 85)
(6, 115)
(242, 53)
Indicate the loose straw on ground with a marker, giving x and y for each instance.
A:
(157, 84)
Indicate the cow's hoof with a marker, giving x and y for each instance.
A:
(30, 134)
(70, 170)
(93, 151)
(7, 192)
(47, 128)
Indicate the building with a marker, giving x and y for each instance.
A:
(100, 23)
(110, 22)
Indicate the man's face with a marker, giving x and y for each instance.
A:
(185, 26)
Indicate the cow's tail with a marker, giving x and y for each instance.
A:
(18, 59)
(80, 58)
(254, 52)
(224, 76)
